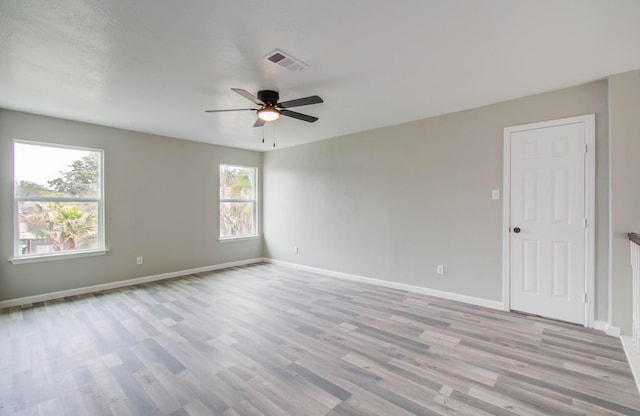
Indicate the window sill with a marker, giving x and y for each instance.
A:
(238, 239)
(61, 256)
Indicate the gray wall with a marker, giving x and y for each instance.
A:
(161, 203)
(393, 203)
(624, 107)
(390, 203)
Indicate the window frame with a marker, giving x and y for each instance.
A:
(254, 201)
(60, 255)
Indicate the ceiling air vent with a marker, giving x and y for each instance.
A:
(285, 60)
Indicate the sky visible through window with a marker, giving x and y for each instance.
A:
(41, 164)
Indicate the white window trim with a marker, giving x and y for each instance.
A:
(254, 201)
(34, 258)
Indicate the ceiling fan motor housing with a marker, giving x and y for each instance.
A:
(269, 97)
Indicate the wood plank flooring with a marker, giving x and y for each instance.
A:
(269, 340)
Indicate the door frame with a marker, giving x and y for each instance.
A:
(590, 208)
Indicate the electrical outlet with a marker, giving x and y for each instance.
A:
(139, 260)
(440, 269)
(495, 194)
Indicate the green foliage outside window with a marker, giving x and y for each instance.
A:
(82, 179)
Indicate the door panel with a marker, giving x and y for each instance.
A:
(530, 277)
(560, 276)
(530, 195)
(548, 206)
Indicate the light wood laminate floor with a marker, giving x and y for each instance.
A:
(269, 340)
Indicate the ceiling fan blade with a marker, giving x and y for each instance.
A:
(248, 96)
(235, 109)
(259, 123)
(314, 99)
(299, 116)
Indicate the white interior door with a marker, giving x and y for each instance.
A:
(548, 219)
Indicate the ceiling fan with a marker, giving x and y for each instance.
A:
(270, 109)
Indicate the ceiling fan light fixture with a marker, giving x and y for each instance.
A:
(268, 114)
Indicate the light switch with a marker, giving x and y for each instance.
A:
(495, 194)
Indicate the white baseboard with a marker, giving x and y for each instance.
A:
(607, 328)
(27, 300)
(600, 326)
(492, 304)
(614, 331)
(633, 357)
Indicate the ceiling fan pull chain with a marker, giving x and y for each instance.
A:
(274, 134)
(262, 134)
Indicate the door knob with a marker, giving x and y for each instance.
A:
(516, 230)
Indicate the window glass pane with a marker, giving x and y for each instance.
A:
(50, 184)
(237, 182)
(56, 172)
(236, 219)
(51, 227)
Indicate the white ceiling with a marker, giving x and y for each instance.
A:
(155, 65)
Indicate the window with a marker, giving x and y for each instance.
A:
(58, 200)
(237, 201)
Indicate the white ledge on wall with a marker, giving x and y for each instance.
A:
(238, 239)
(57, 256)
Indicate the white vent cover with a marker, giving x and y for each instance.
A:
(285, 60)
